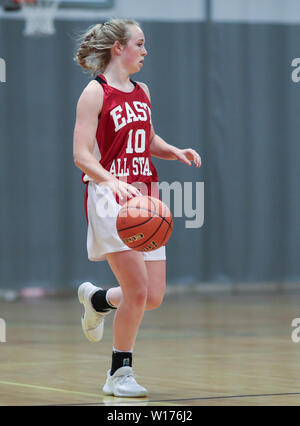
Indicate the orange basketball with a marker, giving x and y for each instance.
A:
(144, 223)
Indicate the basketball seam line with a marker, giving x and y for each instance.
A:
(144, 242)
(167, 231)
(155, 215)
(169, 226)
(143, 223)
(134, 226)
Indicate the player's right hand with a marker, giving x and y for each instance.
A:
(122, 189)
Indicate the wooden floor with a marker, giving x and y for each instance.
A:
(199, 349)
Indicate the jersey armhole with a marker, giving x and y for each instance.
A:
(148, 95)
(100, 80)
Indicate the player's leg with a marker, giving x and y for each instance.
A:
(142, 286)
(156, 285)
(102, 237)
(130, 271)
(153, 274)
(155, 262)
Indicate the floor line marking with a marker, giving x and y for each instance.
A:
(165, 402)
(148, 401)
(230, 396)
(2, 382)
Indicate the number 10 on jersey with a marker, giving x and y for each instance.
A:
(138, 165)
(139, 142)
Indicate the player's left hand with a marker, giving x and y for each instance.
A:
(189, 156)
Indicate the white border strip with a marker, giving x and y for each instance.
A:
(256, 11)
(144, 10)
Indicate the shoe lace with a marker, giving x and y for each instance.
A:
(128, 377)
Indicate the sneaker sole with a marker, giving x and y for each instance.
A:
(81, 292)
(81, 300)
(124, 395)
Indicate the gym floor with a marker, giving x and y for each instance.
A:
(196, 349)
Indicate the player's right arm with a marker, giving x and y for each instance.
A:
(88, 110)
(87, 115)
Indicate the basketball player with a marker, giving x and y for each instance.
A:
(113, 143)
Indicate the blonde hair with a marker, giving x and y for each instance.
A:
(94, 52)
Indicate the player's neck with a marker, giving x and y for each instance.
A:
(117, 76)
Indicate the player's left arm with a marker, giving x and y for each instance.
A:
(161, 149)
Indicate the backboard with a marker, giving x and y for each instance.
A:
(104, 4)
(88, 4)
(39, 15)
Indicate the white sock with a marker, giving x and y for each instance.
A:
(117, 350)
(107, 299)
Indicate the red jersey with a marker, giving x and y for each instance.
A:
(123, 134)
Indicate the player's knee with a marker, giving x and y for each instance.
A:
(139, 298)
(153, 301)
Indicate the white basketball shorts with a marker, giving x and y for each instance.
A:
(102, 236)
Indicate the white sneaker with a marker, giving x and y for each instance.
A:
(92, 321)
(122, 383)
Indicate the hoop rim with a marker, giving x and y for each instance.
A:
(39, 16)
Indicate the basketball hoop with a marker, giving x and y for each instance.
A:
(39, 16)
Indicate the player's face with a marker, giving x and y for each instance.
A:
(134, 52)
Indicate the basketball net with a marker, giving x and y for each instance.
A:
(39, 16)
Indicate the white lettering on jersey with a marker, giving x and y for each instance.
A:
(122, 117)
(139, 142)
(130, 114)
(135, 166)
(119, 169)
(140, 165)
(116, 116)
(149, 110)
(138, 104)
(146, 170)
(129, 149)
(113, 168)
